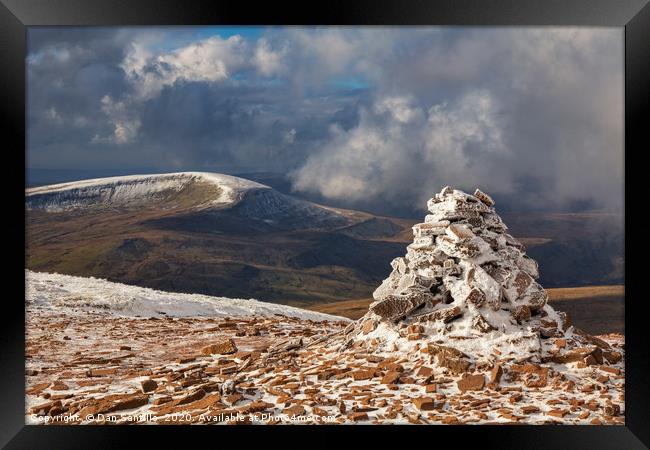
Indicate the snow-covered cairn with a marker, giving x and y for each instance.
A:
(464, 282)
(461, 261)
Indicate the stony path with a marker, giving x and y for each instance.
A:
(92, 367)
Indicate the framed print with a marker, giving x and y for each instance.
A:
(335, 219)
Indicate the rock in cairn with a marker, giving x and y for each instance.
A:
(463, 276)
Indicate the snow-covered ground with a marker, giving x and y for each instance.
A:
(69, 293)
(125, 190)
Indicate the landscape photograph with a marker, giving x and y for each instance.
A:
(260, 225)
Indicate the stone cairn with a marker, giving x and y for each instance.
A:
(466, 291)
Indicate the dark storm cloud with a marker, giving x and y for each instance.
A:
(374, 118)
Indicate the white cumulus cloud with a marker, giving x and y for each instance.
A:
(396, 141)
(210, 60)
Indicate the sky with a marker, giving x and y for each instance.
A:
(374, 118)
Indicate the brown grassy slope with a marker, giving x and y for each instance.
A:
(581, 293)
(206, 254)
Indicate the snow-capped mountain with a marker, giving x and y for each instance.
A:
(137, 190)
(69, 294)
(188, 191)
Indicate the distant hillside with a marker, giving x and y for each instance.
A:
(573, 249)
(207, 233)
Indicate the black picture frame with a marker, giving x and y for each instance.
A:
(17, 15)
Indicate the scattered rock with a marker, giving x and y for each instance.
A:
(232, 399)
(530, 409)
(557, 412)
(294, 410)
(612, 357)
(613, 370)
(59, 386)
(496, 373)
(471, 383)
(148, 385)
(358, 416)
(450, 358)
(425, 371)
(423, 403)
(612, 409)
(45, 407)
(480, 324)
(366, 374)
(534, 375)
(291, 344)
(221, 347)
(390, 378)
(194, 396)
(185, 360)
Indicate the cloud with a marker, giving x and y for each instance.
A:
(534, 115)
(396, 141)
(366, 117)
(210, 60)
(269, 61)
(290, 136)
(53, 116)
(401, 109)
(125, 124)
(472, 120)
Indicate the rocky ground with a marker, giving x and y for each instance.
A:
(92, 367)
(460, 332)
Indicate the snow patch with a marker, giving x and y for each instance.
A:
(68, 293)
